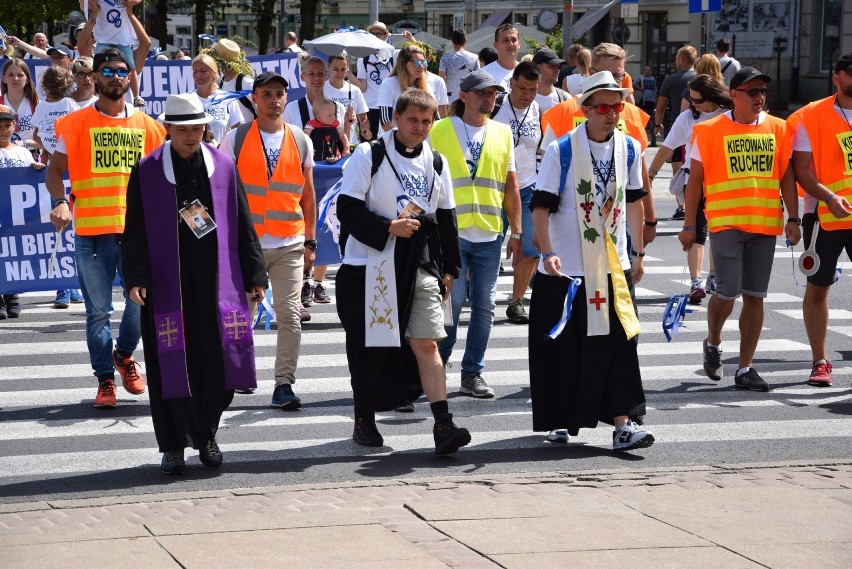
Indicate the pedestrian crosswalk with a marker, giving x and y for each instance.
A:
(50, 429)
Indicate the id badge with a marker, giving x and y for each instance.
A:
(197, 218)
(607, 207)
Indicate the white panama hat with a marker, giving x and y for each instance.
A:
(601, 81)
(185, 108)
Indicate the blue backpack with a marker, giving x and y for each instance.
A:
(565, 159)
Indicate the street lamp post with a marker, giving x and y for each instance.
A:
(780, 46)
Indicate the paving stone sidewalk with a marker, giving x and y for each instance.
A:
(754, 515)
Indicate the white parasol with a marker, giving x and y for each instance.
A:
(357, 43)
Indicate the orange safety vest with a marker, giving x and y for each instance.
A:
(101, 151)
(568, 115)
(743, 166)
(793, 122)
(274, 201)
(831, 142)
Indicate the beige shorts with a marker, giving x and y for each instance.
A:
(427, 313)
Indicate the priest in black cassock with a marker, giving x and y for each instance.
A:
(190, 255)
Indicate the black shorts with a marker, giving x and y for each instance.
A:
(677, 154)
(700, 223)
(829, 247)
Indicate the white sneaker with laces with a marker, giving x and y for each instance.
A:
(630, 436)
(557, 436)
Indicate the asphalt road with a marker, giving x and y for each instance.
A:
(54, 444)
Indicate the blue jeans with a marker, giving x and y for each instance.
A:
(98, 258)
(481, 261)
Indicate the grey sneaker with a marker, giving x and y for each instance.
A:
(307, 294)
(517, 313)
(710, 285)
(557, 436)
(629, 436)
(475, 386)
(320, 294)
(712, 362)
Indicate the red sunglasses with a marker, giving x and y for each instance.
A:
(604, 109)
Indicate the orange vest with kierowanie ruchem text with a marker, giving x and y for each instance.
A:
(831, 144)
(743, 165)
(274, 200)
(101, 151)
(568, 115)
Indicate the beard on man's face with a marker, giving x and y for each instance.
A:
(113, 92)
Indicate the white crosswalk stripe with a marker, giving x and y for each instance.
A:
(49, 401)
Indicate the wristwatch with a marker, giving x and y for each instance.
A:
(519, 237)
(796, 220)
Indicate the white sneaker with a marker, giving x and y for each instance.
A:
(630, 436)
(557, 436)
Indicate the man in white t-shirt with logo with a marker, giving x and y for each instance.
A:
(728, 65)
(371, 71)
(521, 112)
(507, 42)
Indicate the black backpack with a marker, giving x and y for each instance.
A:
(377, 151)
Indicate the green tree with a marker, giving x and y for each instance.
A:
(308, 12)
(23, 19)
(266, 17)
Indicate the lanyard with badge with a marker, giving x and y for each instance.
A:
(605, 176)
(196, 217)
(412, 208)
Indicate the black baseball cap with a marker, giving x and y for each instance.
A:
(844, 63)
(747, 74)
(546, 55)
(101, 58)
(268, 77)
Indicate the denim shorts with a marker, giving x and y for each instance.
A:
(526, 222)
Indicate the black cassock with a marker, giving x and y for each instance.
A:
(188, 421)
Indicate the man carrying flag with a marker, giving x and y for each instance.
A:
(584, 366)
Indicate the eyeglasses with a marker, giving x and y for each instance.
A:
(485, 93)
(110, 72)
(58, 56)
(698, 101)
(378, 33)
(754, 92)
(605, 109)
(419, 63)
(85, 75)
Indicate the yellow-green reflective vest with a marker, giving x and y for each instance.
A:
(479, 200)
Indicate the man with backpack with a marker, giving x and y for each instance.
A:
(275, 168)
(548, 65)
(400, 259)
(728, 64)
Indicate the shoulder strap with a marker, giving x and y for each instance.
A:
(301, 143)
(730, 61)
(366, 61)
(561, 95)
(437, 162)
(240, 138)
(377, 152)
(303, 111)
(497, 104)
(564, 160)
(240, 82)
(631, 154)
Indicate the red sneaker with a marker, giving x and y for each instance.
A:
(820, 375)
(133, 382)
(106, 394)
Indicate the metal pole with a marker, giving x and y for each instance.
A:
(281, 26)
(567, 25)
(794, 79)
(373, 11)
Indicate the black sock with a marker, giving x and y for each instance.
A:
(103, 378)
(439, 408)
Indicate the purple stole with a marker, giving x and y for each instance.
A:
(160, 208)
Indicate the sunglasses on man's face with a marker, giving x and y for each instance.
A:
(110, 72)
(753, 93)
(605, 109)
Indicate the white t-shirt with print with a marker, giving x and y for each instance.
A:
(376, 71)
(564, 229)
(348, 95)
(23, 118)
(385, 196)
(272, 146)
(500, 73)
(45, 116)
(470, 139)
(15, 157)
(438, 88)
(526, 136)
(88, 102)
(112, 24)
(226, 115)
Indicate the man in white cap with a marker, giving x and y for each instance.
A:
(584, 365)
(198, 345)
